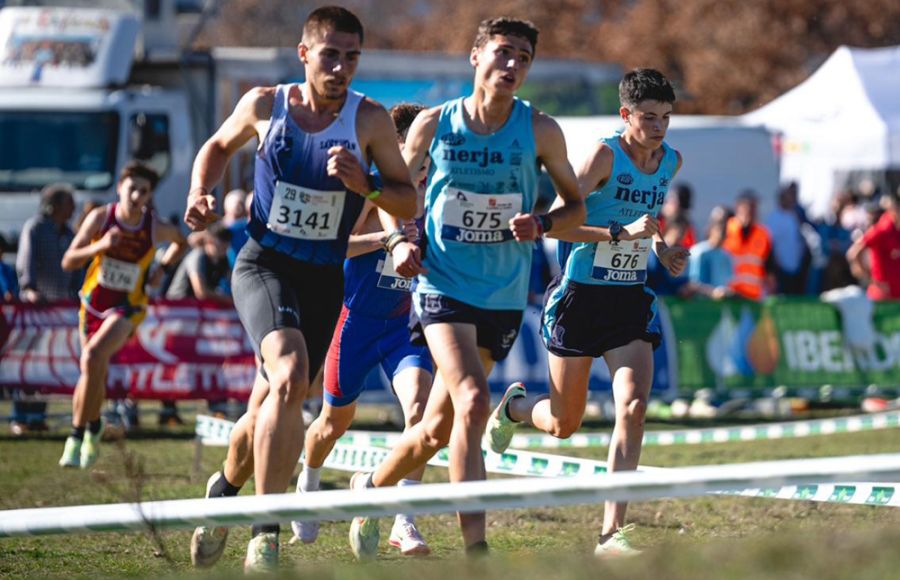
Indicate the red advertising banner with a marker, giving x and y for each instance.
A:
(182, 350)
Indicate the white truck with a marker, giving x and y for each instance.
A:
(71, 110)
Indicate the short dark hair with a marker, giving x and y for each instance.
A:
(332, 18)
(53, 195)
(645, 84)
(219, 232)
(403, 115)
(507, 27)
(135, 169)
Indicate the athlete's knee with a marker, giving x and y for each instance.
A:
(289, 384)
(436, 434)
(565, 426)
(634, 410)
(327, 430)
(93, 359)
(413, 413)
(473, 403)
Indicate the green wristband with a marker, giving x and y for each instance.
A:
(373, 195)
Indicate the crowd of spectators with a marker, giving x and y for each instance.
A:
(785, 252)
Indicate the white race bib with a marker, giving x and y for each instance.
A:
(389, 279)
(475, 218)
(118, 275)
(624, 262)
(306, 214)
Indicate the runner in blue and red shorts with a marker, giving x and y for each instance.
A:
(372, 331)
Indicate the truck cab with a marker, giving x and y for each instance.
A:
(68, 112)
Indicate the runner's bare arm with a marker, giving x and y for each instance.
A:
(569, 211)
(178, 245)
(408, 256)
(376, 130)
(673, 258)
(82, 248)
(362, 242)
(593, 173)
(243, 124)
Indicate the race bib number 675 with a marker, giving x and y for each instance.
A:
(474, 218)
(306, 214)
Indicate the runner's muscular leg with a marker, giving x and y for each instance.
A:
(422, 442)
(631, 368)
(464, 367)
(560, 413)
(412, 386)
(239, 461)
(96, 351)
(278, 433)
(324, 432)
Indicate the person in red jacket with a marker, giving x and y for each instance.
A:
(881, 243)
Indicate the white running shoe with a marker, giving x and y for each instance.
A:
(617, 545)
(406, 536)
(500, 428)
(208, 543)
(262, 553)
(364, 532)
(306, 531)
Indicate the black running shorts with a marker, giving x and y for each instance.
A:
(272, 291)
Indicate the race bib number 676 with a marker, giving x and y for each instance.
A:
(623, 262)
(474, 218)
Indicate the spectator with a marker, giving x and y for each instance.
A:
(791, 256)
(711, 268)
(42, 243)
(9, 283)
(881, 243)
(675, 210)
(199, 276)
(835, 240)
(237, 209)
(201, 271)
(853, 214)
(750, 247)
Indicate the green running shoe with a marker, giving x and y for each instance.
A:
(90, 449)
(262, 553)
(617, 545)
(501, 428)
(71, 456)
(364, 532)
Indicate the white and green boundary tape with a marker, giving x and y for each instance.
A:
(367, 451)
(443, 498)
(213, 431)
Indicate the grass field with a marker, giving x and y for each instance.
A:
(712, 537)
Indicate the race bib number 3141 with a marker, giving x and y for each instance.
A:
(474, 218)
(306, 214)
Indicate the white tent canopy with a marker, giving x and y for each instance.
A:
(845, 117)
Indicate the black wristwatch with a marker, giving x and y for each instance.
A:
(615, 230)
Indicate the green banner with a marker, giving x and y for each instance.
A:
(795, 342)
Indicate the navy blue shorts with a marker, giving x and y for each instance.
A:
(590, 319)
(496, 330)
(360, 344)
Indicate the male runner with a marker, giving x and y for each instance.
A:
(485, 151)
(119, 240)
(371, 331)
(311, 180)
(599, 305)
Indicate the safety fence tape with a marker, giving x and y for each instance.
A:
(214, 431)
(442, 498)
